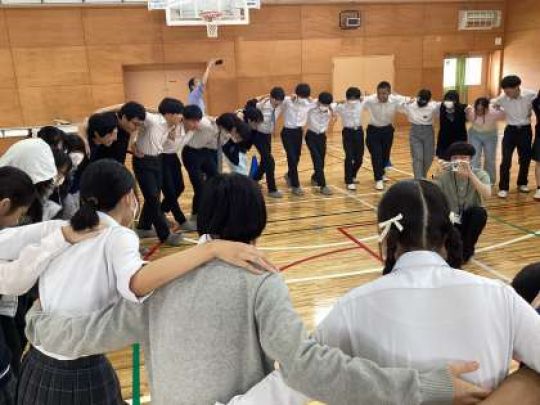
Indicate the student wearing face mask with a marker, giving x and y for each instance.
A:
(318, 119)
(94, 274)
(352, 134)
(421, 113)
(51, 202)
(453, 122)
(237, 134)
(76, 149)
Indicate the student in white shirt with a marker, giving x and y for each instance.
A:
(352, 134)
(262, 138)
(147, 166)
(517, 105)
(318, 120)
(420, 113)
(295, 116)
(89, 276)
(383, 107)
(238, 135)
(424, 312)
(173, 179)
(200, 153)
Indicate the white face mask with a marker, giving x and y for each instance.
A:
(76, 158)
(449, 104)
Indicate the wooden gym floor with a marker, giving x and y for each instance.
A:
(320, 263)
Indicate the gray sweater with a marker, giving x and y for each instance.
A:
(217, 331)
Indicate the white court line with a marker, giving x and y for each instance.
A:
(491, 270)
(316, 199)
(508, 242)
(331, 276)
(354, 197)
(144, 400)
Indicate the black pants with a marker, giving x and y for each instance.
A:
(353, 145)
(199, 162)
(148, 173)
(520, 138)
(379, 142)
(173, 185)
(473, 222)
(267, 166)
(317, 148)
(292, 142)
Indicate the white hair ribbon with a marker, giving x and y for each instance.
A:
(387, 225)
(454, 218)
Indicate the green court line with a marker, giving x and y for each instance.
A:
(512, 225)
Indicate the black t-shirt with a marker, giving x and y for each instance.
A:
(117, 151)
(536, 108)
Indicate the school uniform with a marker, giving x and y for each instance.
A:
(173, 179)
(425, 314)
(82, 279)
(484, 136)
(421, 136)
(467, 203)
(295, 117)
(318, 119)
(200, 157)
(262, 140)
(117, 150)
(453, 128)
(380, 131)
(352, 135)
(517, 134)
(149, 173)
(236, 155)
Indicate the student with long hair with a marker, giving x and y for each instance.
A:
(483, 135)
(89, 276)
(424, 310)
(237, 140)
(421, 114)
(452, 123)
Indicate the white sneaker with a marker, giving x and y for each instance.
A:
(297, 191)
(385, 178)
(351, 187)
(275, 194)
(503, 194)
(355, 181)
(326, 190)
(379, 185)
(524, 189)
(537, 194)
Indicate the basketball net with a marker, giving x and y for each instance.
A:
(211, 18)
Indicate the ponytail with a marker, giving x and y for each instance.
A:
(392, 239)
(454, 248)
(86, 217)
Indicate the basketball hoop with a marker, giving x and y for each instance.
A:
(211, 18)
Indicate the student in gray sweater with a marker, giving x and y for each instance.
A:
(217, 331)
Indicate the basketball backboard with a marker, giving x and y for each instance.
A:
(188, 12)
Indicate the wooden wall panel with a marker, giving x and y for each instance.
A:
(70, 60)
(40, 105)
(106, 62)
(393, 19)
(10, 109)
(121, 25)
(7, 74)
(318, 83)
(523, 15)
(51, 66)
(40, 27)
(261, 58)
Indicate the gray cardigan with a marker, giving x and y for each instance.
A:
(216, 332)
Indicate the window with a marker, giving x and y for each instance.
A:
(473, 71)
(450, 72)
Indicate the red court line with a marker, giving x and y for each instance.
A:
(309, 258)
(361, 244)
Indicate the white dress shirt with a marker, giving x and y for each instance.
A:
(270, 115)
(318, 119)
(174, 140)
(383, 114)
(518, 110)
(420, 115)
(207, 135)
(295, 111)
(350, 113)
(426, 314)
(152, 135)
(84, 277)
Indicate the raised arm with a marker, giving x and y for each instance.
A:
(206, 74)
(111, 108)
(327, 374)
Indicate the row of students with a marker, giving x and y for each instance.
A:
(419, 242)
